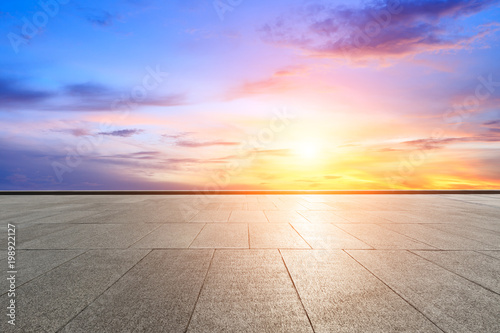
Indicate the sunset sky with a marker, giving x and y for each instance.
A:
(252, 94)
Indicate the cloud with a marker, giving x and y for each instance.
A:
(176, 136)
(24, 168)
(29, 167)
(151, 161)
(385, 150)
(273, 152)
(79, 132)
(378, 29)
(73, 131)
(183, 160)
(492, 123)
(332, 177)
(346, 145)
(100, 18)
(115, 102)
(81, 97)
(294, 70)
(493, 126)
(17, 178)
(142, 155)
(85, 97)
(165, 162)
(125, 133)
(85, 90)
(430, 143)
(167, 100)
(151, 156)
(181, 140)
(280, 81)
(14, 93)
(194, 144)
(306, 180)
(267, 86)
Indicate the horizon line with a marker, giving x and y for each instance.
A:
(240, 192)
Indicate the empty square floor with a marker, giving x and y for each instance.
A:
(252, 263)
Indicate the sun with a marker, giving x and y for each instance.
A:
(308, 150)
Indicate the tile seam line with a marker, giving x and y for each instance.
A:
(463, 277)
(354, 236)
(475, 202)
(410, 237)
(296, 291)
(69, 227)
(50, 233)
(158, 227)
(455, 234)
(299, 212)
(388, 248)
(201, 289)
(38, 276)
(429, 226)
(488, 255)
(290, 224)
(466, 224)
(198, 234)
(112, 284)
(483, 228)
(91, 237)
(399, 295)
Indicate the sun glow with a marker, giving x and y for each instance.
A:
(308, 150)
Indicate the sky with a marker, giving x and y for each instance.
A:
(240, 94)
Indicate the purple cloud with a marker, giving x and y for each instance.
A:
(73, 131)
(176, 136)
(87, 100)
(85, 90)
(30, 169)
(142, 155)
(181, 140)
(378, 28)
(14, 93)
(126, 133)
(430, 143)
(492, 123)
(101, 18)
